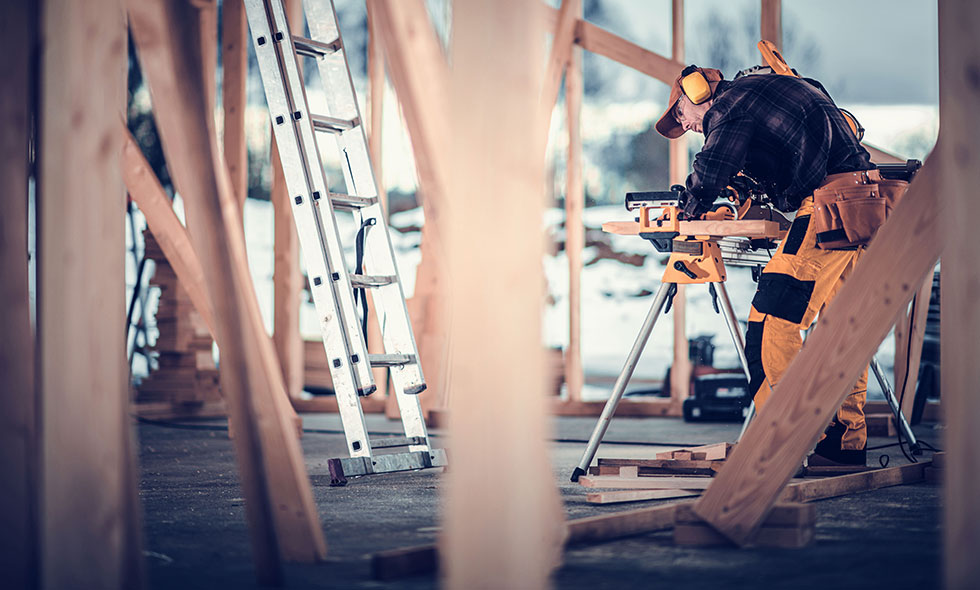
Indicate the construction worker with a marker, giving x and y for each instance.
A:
(787, 133)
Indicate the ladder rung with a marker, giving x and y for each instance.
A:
(333, 124)
(396, 441)
(315, 49)
(391, 360)
(349, 202)
(369, 281)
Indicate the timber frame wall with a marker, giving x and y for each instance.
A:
(70, 510)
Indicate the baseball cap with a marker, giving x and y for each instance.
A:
(668, 126)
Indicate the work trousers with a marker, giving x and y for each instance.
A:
(794, 287)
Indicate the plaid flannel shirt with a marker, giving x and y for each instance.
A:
(783, 131)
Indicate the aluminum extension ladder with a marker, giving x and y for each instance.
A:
(332, 284)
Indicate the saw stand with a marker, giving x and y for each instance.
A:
(696, 260)
(693, 260)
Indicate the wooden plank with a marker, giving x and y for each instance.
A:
(909, 357)
(169, 232)
(234, 72)
(645, 483)
(619, 496)
(841, 485)
(287, 279)
(784, 514)
(419, 73)
(957, 150)
(851, 328)
(702, 535)
(279, 501)
(89, 530)
(660, 407)
(652, 466)
(750, 228)
(771, 22)
(18, 392)
(560, 56)
(600, 41)
(880, 156)
(372, 404)
(574, 226)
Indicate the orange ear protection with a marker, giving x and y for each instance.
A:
(695, 85)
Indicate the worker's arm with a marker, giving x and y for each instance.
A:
(722, 156)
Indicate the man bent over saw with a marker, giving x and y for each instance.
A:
(787, 133)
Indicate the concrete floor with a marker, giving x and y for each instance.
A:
(196, 534)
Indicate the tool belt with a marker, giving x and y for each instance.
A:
(848, 208)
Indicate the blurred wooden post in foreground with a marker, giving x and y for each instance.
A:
(90, 533)
(959, 95)
(498, 420)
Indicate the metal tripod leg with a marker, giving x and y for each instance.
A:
(893, 404)
(666, 290)
(732, 322)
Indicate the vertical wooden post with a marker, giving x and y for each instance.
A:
(287, 280)
(88, 490)
(680, 372)
(502, 537)
(376, 97)
(574, 227)
(279, 501)
(959, 94)
(234, 71)
(910, 330)
(771, 25)
(18, 396)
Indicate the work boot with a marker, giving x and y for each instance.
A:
(828, 453)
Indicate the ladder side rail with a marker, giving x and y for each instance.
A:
(341, 282)
(309, 228)
(389, 300)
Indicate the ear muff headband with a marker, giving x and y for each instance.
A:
(696, 87)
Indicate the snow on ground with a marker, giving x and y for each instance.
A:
(615, 296)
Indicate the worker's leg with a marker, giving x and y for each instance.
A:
(794, 286)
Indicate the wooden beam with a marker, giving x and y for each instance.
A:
(234, 72)
(506, 405)
(574, 226)
(850, 330)
(560, 56)
(88, 497)
(841, 485)
(279, 501)
(376, 99)
(659, 407)
(645, 482)
(749, 228)
(619, 496)
(600, 41)
(959, 83)
(880, 156)
(170, 233)
(419, 74)
(287, 280)
(909, 335)
(771, 23)
(18, 394)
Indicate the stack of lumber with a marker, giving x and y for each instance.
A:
(185, 382)
(673, 474)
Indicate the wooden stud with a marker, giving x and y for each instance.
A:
(771, 22)
(287, 280)
(18, 394)
(419, 74)
(908, 348)
(479, 548)
(851, 328)
(841, 485)
(619, 496)
(574, 226)
(170, 233)
(234, 72)
(279, 501)
(89, 524)
(959, 83)
(560, 56)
